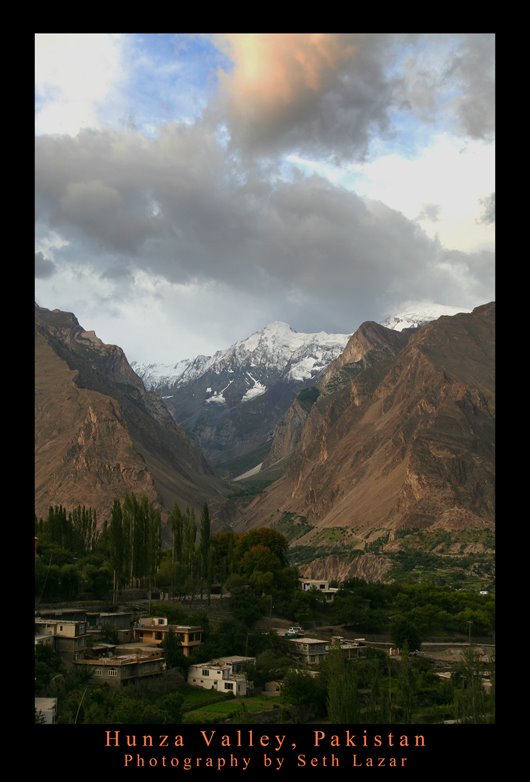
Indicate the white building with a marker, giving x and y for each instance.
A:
(321, 585)
(223, 675)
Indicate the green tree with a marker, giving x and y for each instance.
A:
(405, 632)
(171, 703)
(223, 544)
(117, 546)
(204, 542)
(406, 687)
(245, 607)
(97, 579)
(470, 700)
(342, 689)
(263, 536)
(259, 558)
(69, 581)
(270, 664)
(306, 695)
(47, 665)
(171, 648)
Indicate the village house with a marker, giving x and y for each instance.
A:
(309, 651)
(154, 629)
(223, 674)
(119, 622)
(321, 585)
(124, 668)
(68, 637)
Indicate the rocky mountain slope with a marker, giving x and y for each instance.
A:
(232, 401)
(98, 433)
(397, 437)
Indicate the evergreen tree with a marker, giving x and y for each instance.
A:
(176, 523)
(471, 702)
(188, 543)
(343, 699)
(406, 688)
(118, 551)
(204, 543)
(204, 550)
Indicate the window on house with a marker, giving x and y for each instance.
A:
(99, 671)
(159, 636)
(206, 672)
(61, 628)
(112, 672)
(229, 686)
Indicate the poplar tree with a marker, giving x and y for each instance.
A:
(343, 699)
(204, 551)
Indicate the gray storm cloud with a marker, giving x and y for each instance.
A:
(178, 206)
(329, 94)
(43, 266)
(326, 93)
(430, 212)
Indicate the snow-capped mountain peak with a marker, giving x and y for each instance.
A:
(155, 375)
(416, 313)
(276, 348)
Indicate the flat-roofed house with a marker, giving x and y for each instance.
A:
(153, 630)
(309, 650)
(124, 668)
(223, 674)
(69, 636)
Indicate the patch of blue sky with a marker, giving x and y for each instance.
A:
(171, 79)
(406, 136)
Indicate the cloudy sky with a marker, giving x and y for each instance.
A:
(192, 188)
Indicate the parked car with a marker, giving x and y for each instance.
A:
(294, 630)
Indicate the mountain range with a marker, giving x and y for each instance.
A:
(231, 401)
(360, 449)
(99, 434)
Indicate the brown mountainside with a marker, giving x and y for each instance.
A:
(372, 346)
(98, 433)
(400, 436)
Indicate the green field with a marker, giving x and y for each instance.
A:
(194, 698)
(226, 709)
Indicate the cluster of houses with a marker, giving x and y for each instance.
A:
(81, 639)
(76, 636)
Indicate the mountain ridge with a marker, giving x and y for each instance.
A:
(99, 434)
(406, 442)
